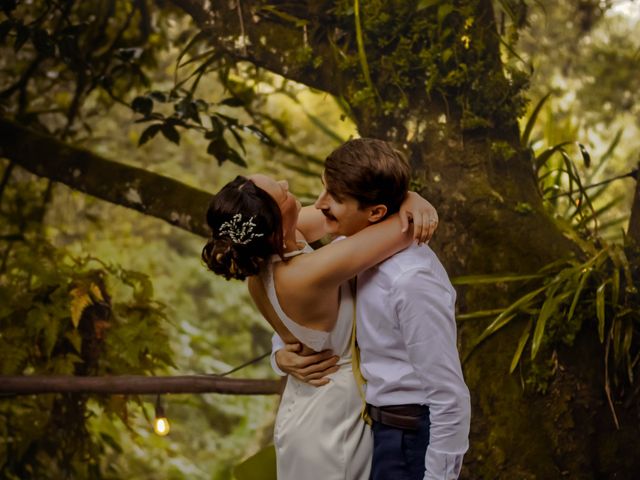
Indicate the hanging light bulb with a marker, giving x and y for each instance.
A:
(160, 422)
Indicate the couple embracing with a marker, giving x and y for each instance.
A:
(371, 307)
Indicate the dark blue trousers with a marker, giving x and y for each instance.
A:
(399, 454)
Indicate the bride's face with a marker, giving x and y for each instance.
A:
(279, 191)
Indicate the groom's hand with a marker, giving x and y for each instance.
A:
(311, 368)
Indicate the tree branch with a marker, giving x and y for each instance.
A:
(131, 187)
(273, 42)
(134, 384)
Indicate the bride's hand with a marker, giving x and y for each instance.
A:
(423, 214)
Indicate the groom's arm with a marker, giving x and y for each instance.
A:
(424, 304)
(302, 363)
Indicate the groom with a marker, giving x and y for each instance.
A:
(406, 330)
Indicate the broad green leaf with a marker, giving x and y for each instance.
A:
(159, 96)
(444, 11)
(549, 267)
(600, 307)
(615, 287)
(526, 134)
(232, 102)
(571, 171)
(362, 55)
(238, 139)
(615, 336)
(150, 132)
(596, 214)
(14, 359)
(143, 105)
(51, 335)
(170, 133)
(622, 220)
(521, 343)
(95, 293)
(490, 330)
(298, 22)
(626, 348)
(608, 154)
(497, 278)
(507, 315)
(544, 157)
(109, 440)
(568, 231)
(75, 340)
(142, 286)
(624, 261)
(422, 4)
(199, 37)
(479, 314)
(80, 300)
(261, 466)
(586, 157)
(197, 73)
(262, 136)
(549, 307)
(219, 148)
(583, 278)
(230, 121)
(66, 364)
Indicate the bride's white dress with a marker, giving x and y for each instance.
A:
(319, 434)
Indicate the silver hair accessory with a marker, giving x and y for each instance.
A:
(240, 232)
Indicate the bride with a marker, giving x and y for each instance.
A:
(306, 297)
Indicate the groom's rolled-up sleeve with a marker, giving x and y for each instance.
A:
(425, 309)
(276, 344)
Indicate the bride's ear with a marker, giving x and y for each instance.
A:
(377, 213)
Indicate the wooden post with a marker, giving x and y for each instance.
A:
(134, 384)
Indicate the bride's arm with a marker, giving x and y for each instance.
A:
(337, 262)
(415, 209)
(311, 223)
(422, 214)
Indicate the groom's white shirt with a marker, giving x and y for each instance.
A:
(406, 332)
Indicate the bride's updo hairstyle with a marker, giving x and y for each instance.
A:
(246, 230)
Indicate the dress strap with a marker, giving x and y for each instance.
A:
(306, 248)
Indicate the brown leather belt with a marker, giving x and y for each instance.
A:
(406, 417)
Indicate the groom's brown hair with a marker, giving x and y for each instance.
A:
(369, 170)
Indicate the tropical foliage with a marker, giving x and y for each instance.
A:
(596, 288)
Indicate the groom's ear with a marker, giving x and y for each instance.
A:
(377, 213)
